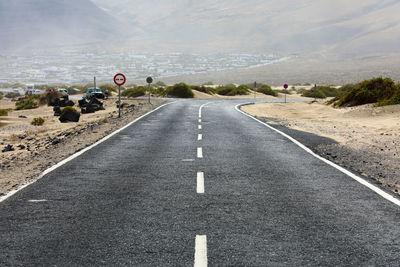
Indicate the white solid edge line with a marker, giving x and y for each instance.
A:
(200, 183)
(199, 152)
(343, 170)
(200, 251)
(199, 137)
(77, 154)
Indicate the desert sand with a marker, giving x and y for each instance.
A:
(368, 138)
(37, 148)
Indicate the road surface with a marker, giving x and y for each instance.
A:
(194, 183)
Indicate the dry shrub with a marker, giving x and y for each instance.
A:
(46, 97)
(37, 121)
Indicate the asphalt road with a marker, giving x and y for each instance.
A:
(160, 194)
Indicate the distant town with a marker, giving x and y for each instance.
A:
(73, 66)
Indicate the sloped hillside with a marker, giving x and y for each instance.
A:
(27, 23)
(343, 27)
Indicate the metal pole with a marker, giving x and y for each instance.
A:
(119, 101)
(149, 93)
(255, 89)
(94, 82)
(285, 95)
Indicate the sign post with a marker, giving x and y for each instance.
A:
(255, 89)
(149, 80)
(119, 79)
(286, 87)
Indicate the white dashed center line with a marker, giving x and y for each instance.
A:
(200, 127)
(199, 120)
(199, 137)
(199, 152)
(200, 183)
(200, 253)
(37, 200)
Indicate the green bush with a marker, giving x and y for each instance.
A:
(329, 91)
(37, 121)
(1, 95)
(3, 112)
(204, 89)
(157, 91)
(314, 92)
(267, 90)
(377, 90)
(321, 92)
(27, 103)
(394, 100)
(232, 90)
(180, 90)
(134, 92)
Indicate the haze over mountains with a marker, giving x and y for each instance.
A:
(343, 27)
(27, 24)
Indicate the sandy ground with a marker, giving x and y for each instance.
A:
(39, 147)
(368, 138)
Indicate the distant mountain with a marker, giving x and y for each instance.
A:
(339, 27)
(47, 23)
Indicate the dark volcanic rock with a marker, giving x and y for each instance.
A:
(8, 148)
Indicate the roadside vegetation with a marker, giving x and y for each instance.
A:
(379, 91)
(232, 90)
(204, 89)
(181, 90)
(134, 92)
(321, 92)
(37, 121)
(3, 112)
(28, 102)
(267, 90)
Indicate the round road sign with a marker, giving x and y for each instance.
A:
(149, 80)
(119, 79)
(286, 86)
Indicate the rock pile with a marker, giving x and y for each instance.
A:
(90, 105)
(69, 114)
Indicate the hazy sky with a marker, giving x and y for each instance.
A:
(251, 26)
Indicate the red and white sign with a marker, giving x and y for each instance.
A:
(119, 79)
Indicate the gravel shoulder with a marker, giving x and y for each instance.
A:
(363, 139)
(37, 148)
